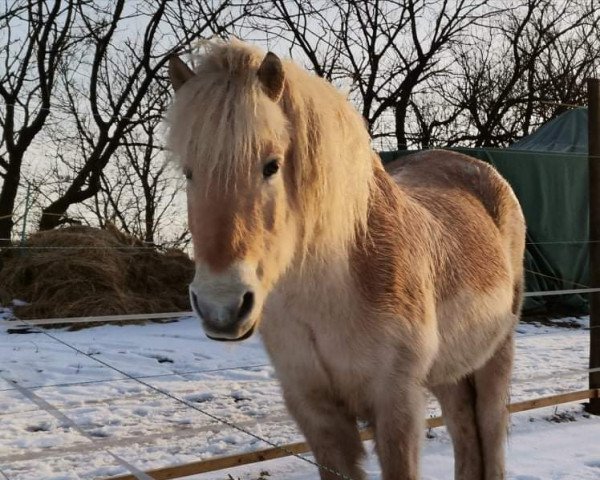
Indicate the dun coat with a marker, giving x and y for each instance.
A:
(368, 288)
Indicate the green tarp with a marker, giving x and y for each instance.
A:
(566, 133)
(549, 173)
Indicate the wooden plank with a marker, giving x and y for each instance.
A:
(98, 319)
(553, 400)
(220, 463)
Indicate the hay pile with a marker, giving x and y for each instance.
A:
(84, 271)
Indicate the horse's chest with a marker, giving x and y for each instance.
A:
(343, 361)
(313, 357)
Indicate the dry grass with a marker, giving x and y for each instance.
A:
(84, 271)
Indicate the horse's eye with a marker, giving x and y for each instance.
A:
(271, 168)
(187, 173)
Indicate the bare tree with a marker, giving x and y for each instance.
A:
(139, 191)
(561, 69)
(517, 64)
(304, 29)
(35, 37)
(89, 76)
(387, 49)
(106, 102)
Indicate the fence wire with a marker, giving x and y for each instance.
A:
(140, 379)
(559, 374)
(233, 425)
(516, 381)
(555, 374)
(143, 377)
(188, 404)
(84, 247)
(65, 420)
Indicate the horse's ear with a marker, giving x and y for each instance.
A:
(270, 73)
(179, 72)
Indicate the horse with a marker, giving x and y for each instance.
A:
(369, 288)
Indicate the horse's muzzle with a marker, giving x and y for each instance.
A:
(225, 323)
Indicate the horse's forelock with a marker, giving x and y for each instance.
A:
(221, 121)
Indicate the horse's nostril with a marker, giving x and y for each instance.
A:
(196, 305)
(246, 306)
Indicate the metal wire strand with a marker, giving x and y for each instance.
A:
(563, 374)
(562, 280)
(563, 242)
(158, 375)
(65, 420)
(552, 242)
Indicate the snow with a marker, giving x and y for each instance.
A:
(236, 382)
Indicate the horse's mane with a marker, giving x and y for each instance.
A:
(330, 147)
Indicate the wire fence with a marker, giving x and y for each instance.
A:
(145, 377)
(151, 245)
(190, 405)
(557, 374)
(29, 324)
(583, 288)
(167, 434)
(26, 185)
(227, 423)
(517, 381)
(216, 418)
(67, 421)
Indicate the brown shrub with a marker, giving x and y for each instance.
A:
(84, 271)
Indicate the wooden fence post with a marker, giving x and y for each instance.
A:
(593, 89)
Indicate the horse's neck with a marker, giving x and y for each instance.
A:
(315, 290)
(335, 269)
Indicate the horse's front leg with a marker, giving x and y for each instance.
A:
(399, 427)
(331, 433)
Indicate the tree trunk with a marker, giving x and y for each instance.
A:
(8, 196)
(400, 113)
(52, 214)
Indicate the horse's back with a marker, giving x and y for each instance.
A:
(443, 171)
(454, 187)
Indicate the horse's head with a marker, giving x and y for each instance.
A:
(230, 136)
(279, 167)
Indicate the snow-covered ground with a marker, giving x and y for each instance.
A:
(40, 379)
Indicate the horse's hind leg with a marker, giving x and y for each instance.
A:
(492, 383)
(458, 407)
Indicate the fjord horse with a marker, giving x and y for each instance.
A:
(368, 288)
